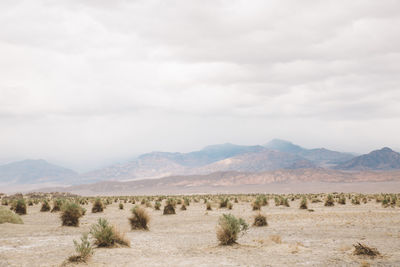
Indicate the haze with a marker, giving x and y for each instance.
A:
(86, 83)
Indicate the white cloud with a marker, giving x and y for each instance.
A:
(83, 82)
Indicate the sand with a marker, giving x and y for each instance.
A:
(293, 237)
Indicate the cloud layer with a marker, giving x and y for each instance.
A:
(86, 82)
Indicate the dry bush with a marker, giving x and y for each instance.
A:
(97, 206)
(57, 204)
(260, 220)
(140, 218)
(229, 206)
(19, 207)
(229, 228)
(106, 235)
(84, 250)
(223, 202)
(329, 202)
(157, 205)
(7, 216)
(360, 249)
(71, 212)
(256, 205)
(208, 206)
(121, 206)
(342, 200)
(169, 207)
(45, 206)
(303, 203)
(183, 207)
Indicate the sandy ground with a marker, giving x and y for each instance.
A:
(321, 238)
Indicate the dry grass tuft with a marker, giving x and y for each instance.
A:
(140, 218)
(7, 216)
(360, 249)
(260, 220)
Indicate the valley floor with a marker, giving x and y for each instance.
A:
(293, 237)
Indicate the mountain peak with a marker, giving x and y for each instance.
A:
(382, 159)
(283, 146)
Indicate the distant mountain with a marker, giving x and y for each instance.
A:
(309, 180)
(264, 160)
(319, 156)
(34, 171)
(210, 159)
(383, 159)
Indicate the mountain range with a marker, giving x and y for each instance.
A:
(274, 156)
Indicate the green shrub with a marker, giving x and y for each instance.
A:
(256, 205)
(229, 228)
(84, 250)
(157, 205)
(139, 219)
(97, 206)
(7, 216)
(342, 200)
(45, 206)
(329, 202)
(121, 206)
(303, 203)
(107, 236)
(20, 206)
(208, 206)
(71, 212)
(57, 204)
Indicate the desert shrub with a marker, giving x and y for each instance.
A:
(355, 201)
(97, 206)
(329, 201)
(223, 202)
(106, 235)
(208, 206)
(316, 200)
(7, 216)
(71, 212)
(236, 200)
(57, 204)
(84, 250)
(45, 206)
(4, 202)
(157, 205)
(360, 249)
(139, 219)
(30, 202)
(303, 203)
(148, 204)
(183, 207)
(277, 201)
(186, 201)
(256, 205)
(179, 201)
(169, 207)
(342, 200)
(229, 228)
(121, 206)
(229, 206)
(285, 202)
(19, 206)
(260, 220)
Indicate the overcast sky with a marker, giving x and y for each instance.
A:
(87, 83)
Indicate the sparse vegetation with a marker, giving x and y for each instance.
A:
(97, 206)
(229, 228)
(139, 219)
(71, 213)
(7, 216)
(19, 206)
(360, 249)
(106, 235)
(303, 203)
(83, 249)
(169, 207)
(329, 202)
(260, 220)
(45, 206)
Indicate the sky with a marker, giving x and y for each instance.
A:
(91, 82)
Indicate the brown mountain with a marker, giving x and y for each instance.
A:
(289, 180)
(383, 159)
